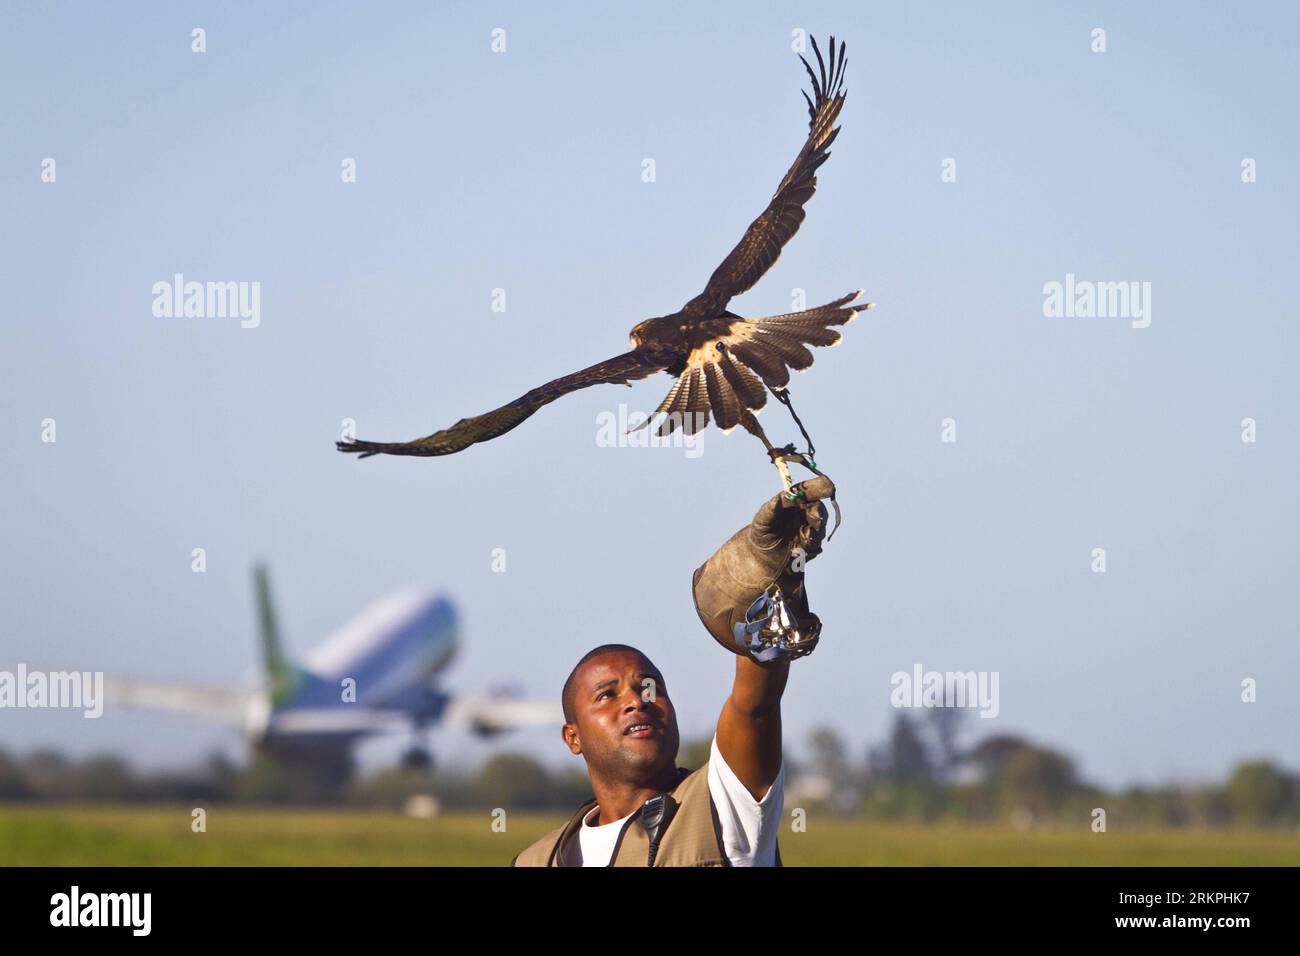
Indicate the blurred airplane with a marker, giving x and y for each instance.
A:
(377, 674)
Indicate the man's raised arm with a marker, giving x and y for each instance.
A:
(750, 596)
(749, 730)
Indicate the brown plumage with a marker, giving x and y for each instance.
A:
(721, 360)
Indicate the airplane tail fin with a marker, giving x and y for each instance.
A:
(280, 674)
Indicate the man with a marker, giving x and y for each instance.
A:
(619, 716)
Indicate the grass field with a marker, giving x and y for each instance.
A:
(120, 836)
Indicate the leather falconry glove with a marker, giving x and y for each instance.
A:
(750, 594)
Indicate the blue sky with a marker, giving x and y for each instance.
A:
(522, 170)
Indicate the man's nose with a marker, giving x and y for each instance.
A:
(638, 700)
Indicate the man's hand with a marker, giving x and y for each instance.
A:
(771, 550)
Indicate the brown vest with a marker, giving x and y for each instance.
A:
(692, 835)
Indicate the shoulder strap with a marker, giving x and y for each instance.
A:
(568, 831)
(628, 825)
(717, 831)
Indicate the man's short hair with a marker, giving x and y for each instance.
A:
(570, 686)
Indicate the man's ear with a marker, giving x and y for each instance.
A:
(571, 739)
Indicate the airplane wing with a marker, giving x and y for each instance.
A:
(218, 703)
(494, 714)
(341, 720)
(484, 715)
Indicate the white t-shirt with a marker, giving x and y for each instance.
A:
(749, 826)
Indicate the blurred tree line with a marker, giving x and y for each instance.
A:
(920, 773)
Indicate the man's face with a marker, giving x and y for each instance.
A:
(614, 693)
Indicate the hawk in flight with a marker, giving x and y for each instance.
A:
(720, 360)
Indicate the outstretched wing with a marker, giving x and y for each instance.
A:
(621, 370)
(767, 234)
(722, 375)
